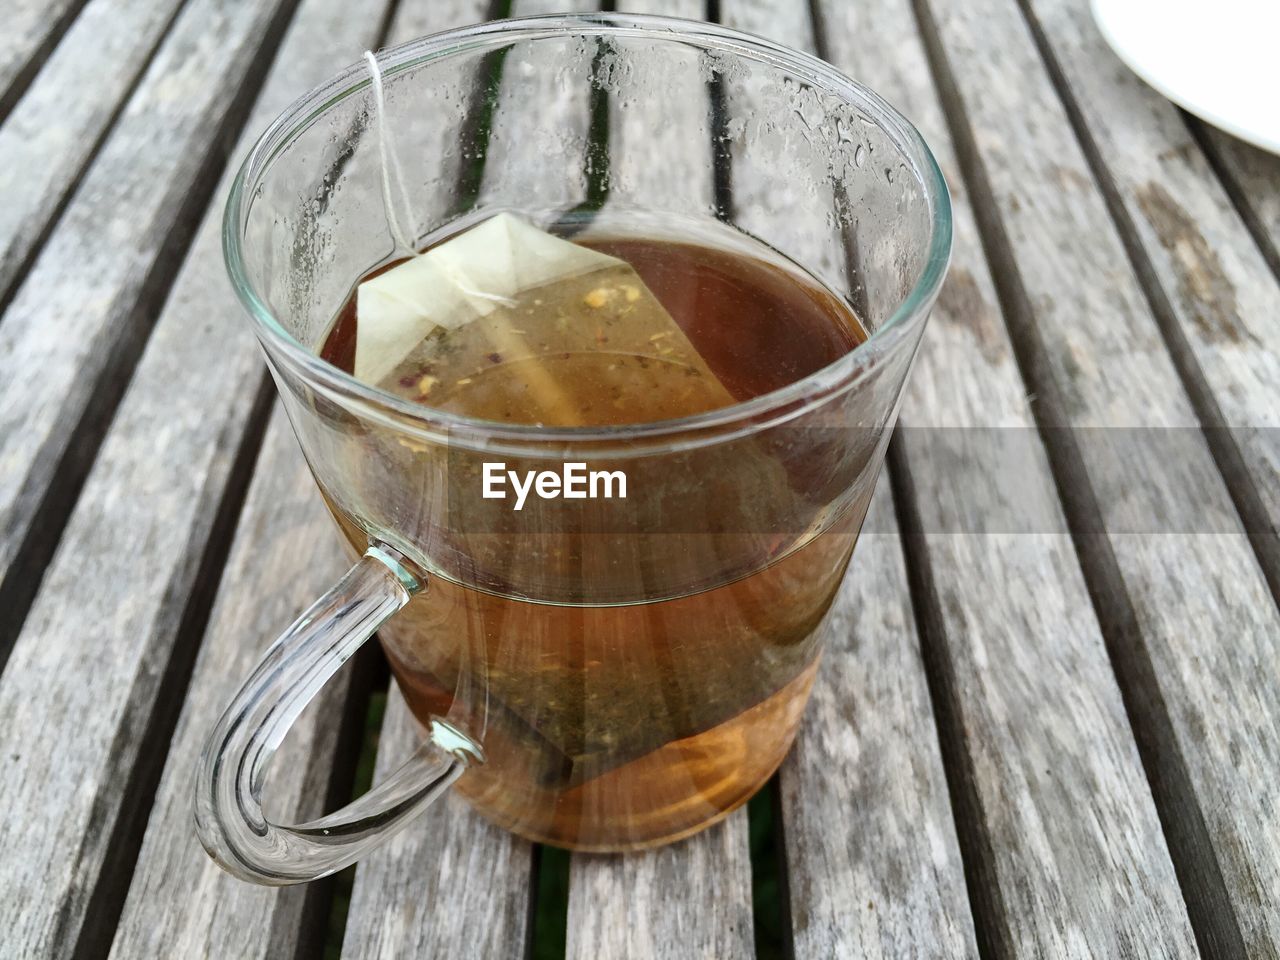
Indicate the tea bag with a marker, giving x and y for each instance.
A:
(506, 322)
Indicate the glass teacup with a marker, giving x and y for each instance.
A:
(608, 675)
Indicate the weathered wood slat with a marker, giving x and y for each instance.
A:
(1020, 668)
(84, 309)
(53, 131)
(31, 29)
(1192, 627)
(85, 677)
(1255, 175)
(873, 863)
(627, 906)
(285, 555)
(788, 23)
(688, 900)
(1217, 288)
(451, 885)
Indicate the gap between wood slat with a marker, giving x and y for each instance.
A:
(19, 585)
(770, 908)
(1217, 432)
(780, 856)
(112, 886)
(311, 930)
(548, 903)
(1199, 874)
(357, 752)
(383, 32)
(976, 852)
(479, 120)
(54, 213)
(596, 160)
(24, 75)
(721, 156)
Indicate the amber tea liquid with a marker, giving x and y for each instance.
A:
(658, 679)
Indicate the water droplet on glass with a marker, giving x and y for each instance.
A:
(859, 155)
(888, 174)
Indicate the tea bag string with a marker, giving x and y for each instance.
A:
(390, 161)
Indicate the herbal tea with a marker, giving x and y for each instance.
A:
(668, 330)
(634, 668)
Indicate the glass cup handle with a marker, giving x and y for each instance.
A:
(229, 817)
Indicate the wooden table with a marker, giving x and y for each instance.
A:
(1051, 742)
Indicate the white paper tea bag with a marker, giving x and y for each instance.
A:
(467, 277)
(507, 322)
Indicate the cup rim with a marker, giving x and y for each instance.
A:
(751, 415)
